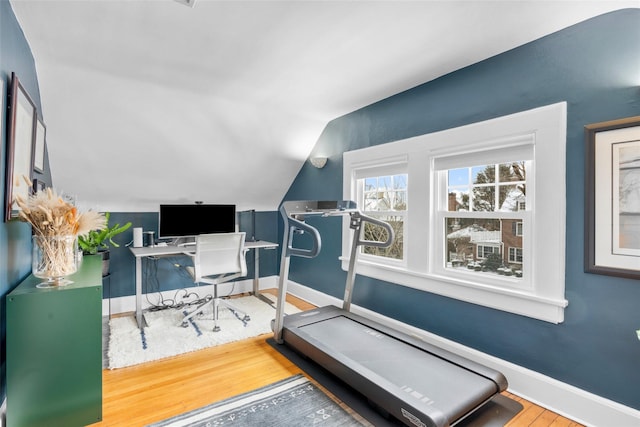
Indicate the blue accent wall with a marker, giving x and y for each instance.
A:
(15, 236)
(595, 67)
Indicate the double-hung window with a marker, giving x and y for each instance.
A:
(481, 197)
(478, 211)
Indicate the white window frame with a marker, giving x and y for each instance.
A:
(541, 130)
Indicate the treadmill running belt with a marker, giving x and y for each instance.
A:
(424, 377)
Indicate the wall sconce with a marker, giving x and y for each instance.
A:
(318, 162)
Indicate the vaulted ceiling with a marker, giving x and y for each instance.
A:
(150, 102)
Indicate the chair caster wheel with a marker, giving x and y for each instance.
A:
(185, 325)
(216, 329)
(246, 318)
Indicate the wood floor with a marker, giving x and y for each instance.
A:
(147, 393)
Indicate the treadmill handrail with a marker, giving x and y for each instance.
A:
(358, 231)
(293, 214)
(296, 226)
(374, 221)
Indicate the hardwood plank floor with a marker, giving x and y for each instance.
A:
(147, 393)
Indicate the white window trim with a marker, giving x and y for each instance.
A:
(545, 128)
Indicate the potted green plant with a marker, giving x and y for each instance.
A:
(97, 241)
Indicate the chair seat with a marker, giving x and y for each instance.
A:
(218, 258)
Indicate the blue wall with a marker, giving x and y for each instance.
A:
(15, 237)
(595, 67)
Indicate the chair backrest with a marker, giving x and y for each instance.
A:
(220, 254)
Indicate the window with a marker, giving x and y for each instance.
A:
(475, 190)
(486, 251)
(517, 228)
(480, 197)
(384, 197)
(466, 224)
(381, 191)
(515, 255)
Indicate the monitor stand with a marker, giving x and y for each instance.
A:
(184, 241)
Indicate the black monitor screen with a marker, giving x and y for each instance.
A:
(192, 220)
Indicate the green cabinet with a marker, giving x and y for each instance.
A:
(54, 351)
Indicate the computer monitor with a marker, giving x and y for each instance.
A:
(178, 220)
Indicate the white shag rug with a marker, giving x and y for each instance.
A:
(164, 336)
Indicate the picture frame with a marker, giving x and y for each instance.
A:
(38, 186)
(39, 144)
(2, 111)
(20, 134)
(612, 198)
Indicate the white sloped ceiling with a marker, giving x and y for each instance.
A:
(150, 102)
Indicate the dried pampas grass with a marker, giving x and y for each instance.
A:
(50, 215)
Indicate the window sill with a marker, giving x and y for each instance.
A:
(517, 301)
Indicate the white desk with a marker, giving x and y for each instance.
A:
(172, 250)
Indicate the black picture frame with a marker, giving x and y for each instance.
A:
(20, 133)
(2, 98)
(38, 186)
(2, 111)
(39, 144)
(612, 198)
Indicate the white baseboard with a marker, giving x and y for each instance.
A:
(128, 304)
(569, 401)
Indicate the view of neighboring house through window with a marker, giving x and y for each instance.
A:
(474, 240)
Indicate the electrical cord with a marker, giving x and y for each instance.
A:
(153, 287)
(177, 302)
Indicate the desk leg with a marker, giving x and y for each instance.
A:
(256, 277)
(139, 318)
(256, 271)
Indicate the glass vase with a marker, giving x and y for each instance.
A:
(54, 258)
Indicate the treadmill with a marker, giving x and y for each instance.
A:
(418, 383)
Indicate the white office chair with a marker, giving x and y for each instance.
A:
(218, 258)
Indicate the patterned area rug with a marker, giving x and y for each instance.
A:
(165, 337)
(293, 402)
